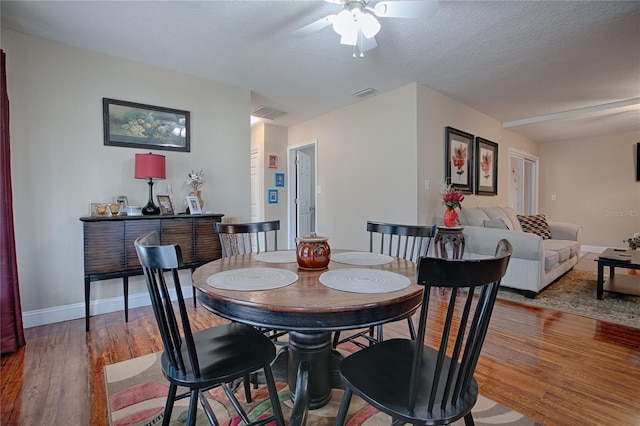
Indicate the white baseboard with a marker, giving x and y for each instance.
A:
(96, 307)
(593, 249)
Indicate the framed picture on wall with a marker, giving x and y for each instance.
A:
(486, 167)
(135, 125)
(279, 179)
(273, 161)
(459, 159)
(273, 196)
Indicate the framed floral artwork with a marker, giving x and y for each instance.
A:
(135, 125)
(459, 159)
(486, 167)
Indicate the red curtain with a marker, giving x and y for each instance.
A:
(11, 332)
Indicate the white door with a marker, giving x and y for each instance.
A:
(303, 194)
(255, 186)
(523, 182)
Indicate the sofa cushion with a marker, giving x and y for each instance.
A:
(535, 224)
(513, 217)
(565, 248)
(474, 216)
(497, 213)
(551, 259)
(496, 224)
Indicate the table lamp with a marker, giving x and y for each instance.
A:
(150, 166)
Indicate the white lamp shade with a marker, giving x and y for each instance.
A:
(369, 25)
(343, 22)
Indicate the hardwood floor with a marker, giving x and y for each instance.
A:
(557, 368)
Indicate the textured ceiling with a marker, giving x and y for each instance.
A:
(515, 61)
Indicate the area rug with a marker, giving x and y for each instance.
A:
(575, 293)
(136, 393)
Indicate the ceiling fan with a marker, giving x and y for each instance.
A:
(357, 25)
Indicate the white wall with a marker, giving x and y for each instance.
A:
(366, 165)
(595, 185)
(437, 111)
(393, 142)
(60, 164)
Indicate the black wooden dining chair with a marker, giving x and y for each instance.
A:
(243, 238)
(205, 359)
(408, 242)
(430, 381)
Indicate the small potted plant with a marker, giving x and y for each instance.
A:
(634, 242)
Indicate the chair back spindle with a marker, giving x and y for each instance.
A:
(465, 326)
(245, 238)
(405, 241)
(158, 261)
(432, 381)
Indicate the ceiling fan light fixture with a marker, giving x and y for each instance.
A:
(369, 25)
(351, 21)
(343, 23)
(349, 39)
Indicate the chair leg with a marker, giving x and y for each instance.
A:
(247, 387)
(207, 408)
(412, 329)
(344, 407)
(336, 339)
(193, 407)
(168, 406)
(468, 420)
(273, 395)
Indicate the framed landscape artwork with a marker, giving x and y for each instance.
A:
(135, 125)
(459, 159)
(486, 167)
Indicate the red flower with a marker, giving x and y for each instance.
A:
(452, 197)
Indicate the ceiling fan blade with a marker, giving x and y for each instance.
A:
(315, 26)
(405, 9)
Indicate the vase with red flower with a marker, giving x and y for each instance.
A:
(452, 199)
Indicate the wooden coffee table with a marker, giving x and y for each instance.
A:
(622, 283)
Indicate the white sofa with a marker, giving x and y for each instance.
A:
(535, 262)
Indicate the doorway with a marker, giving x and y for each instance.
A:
(523, 182)
(302, 198)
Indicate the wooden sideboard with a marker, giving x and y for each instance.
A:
(109, 251)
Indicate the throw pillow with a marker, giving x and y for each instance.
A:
(496, 224)
(535, 224)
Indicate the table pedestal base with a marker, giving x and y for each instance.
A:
(314, 347)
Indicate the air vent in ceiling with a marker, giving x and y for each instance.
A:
(267, 112)
(366, 92)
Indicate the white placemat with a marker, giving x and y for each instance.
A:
(361, 280)
(252, 279)
(361, 258)
(280, 256)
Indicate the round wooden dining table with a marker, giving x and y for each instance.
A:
(308, 309)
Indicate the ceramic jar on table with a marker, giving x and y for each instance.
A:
(313, 252)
